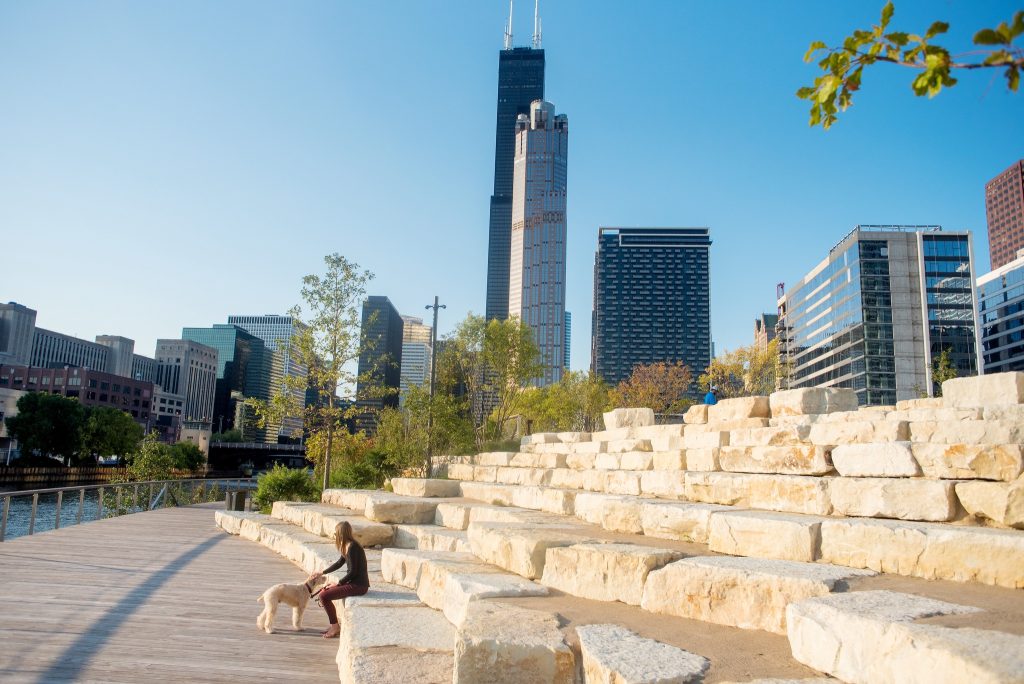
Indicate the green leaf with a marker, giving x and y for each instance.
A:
(999, 57)
(805, 93)
(897, 38)
(1012, 78)
(935, 29)
(1017, 26)
(815, 46)
(887, 13)
(988, 37)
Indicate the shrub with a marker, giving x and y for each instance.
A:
(284, 484)
(368, 472)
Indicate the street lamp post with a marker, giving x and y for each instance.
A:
(433, 374)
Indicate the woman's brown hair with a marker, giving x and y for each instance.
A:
(343, 535)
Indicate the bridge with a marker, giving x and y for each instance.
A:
(230, 455)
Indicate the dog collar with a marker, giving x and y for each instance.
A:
(308, 588)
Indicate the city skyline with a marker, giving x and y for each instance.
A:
(229, 145)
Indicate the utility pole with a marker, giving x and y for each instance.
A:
(433, 374)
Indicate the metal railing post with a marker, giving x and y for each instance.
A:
(117, 499)
(60, 503)
(32, 518)
(135, 497)
(81, 506)
(149, 503)
(99, 505)
(3, 520)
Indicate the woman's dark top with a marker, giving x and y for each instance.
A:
(355, 559)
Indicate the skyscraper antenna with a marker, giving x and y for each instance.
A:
(508, 29)
(536, 24)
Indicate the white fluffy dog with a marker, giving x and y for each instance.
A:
(294, 595)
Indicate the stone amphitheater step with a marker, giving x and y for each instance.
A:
(615, 654)
(872, 637)
(322, 519)
(960, 553)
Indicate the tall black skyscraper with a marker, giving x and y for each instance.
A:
(651, 300)
(380, 363)
(520, 82)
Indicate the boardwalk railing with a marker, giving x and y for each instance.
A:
(112, 499)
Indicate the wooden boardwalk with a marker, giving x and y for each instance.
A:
(154, 597)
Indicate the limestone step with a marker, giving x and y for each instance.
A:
(384, 507)
(614, 654)
(431, 538)
(458, 515)
(322, 519)
(384, 644)
(872, 637)
(750, 593)
(604, 571)
(424, 487)
(765, 534)
(520, 548)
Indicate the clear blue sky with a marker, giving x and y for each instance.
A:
(166, 164)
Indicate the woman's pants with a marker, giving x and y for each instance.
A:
(338, 591)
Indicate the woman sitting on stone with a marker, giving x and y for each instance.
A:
(355, 583)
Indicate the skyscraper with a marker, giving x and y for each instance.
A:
(536, 290)
(1004, 209)
(1001, 314)
(520, 82)
(764, 330)
(885, 303)
(380, 362)
(189, 370)
(415, 355)
(651, 300)
(568, 340)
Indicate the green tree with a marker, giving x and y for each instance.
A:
(153, 461)
(943, 369)
(575, 403)
(232, 436)
(660, 386)
(187, 456)
(746, 371)
(109, 432)
(48, 425)
(402, 439)
(843, 65)
(284, 484)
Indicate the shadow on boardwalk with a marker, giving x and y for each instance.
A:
(150, 597)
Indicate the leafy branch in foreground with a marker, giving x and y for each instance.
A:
(843, 66)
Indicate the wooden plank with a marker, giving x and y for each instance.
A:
(156, 596)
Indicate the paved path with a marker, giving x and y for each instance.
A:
(151, 597)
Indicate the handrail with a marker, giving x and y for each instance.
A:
(118, 488)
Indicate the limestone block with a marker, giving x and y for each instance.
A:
(414, 486)
(430, 538)
(636, 460)
(485, 473)
(615, 655)
(984, 390)
(888, 459)
(526, 460)
(970, 461)
(669, 460)
(566, 478)
(494, 458)
(785, 493)
(924, 403)
(612, 512)
(939, 414)
(291, 511)
(730, 489)
(497, 494)
(1000, 502)
(461, 589)
(578, 461)
(703, 459)
(391, 508)
(454, 516)
(858, 432)
(628, 417)
(653, 432)
(354, 499)
(485, 513)
(384, 594)
(614, 434)
(572, 437)
(968, 432)
(739, 408)
(384, 644)
(696, 414)
(608, 461)
(871, 636)
(622, 482)
(619, 446)
(705, 439)
(787, 460)
(729, 425)
(523, 476)
(594, 480)
(905, 499)
(765, 534)
(1008, 412)
(550, 500)
(667, 484)
(516, 548)
(792, 435)
(584, 448)
(668, 443)
(461, 471)
(604, 572)
(553, 460)
(549, 450)
(229, 521)
(928, 550)
(682, 521)
(811, 401)
(502, 644)
(404, 566)
(435, 573)
(542, 438)
(749, 593)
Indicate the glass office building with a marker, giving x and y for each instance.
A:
(1001, 313)
(879, 310)
(652, 300)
